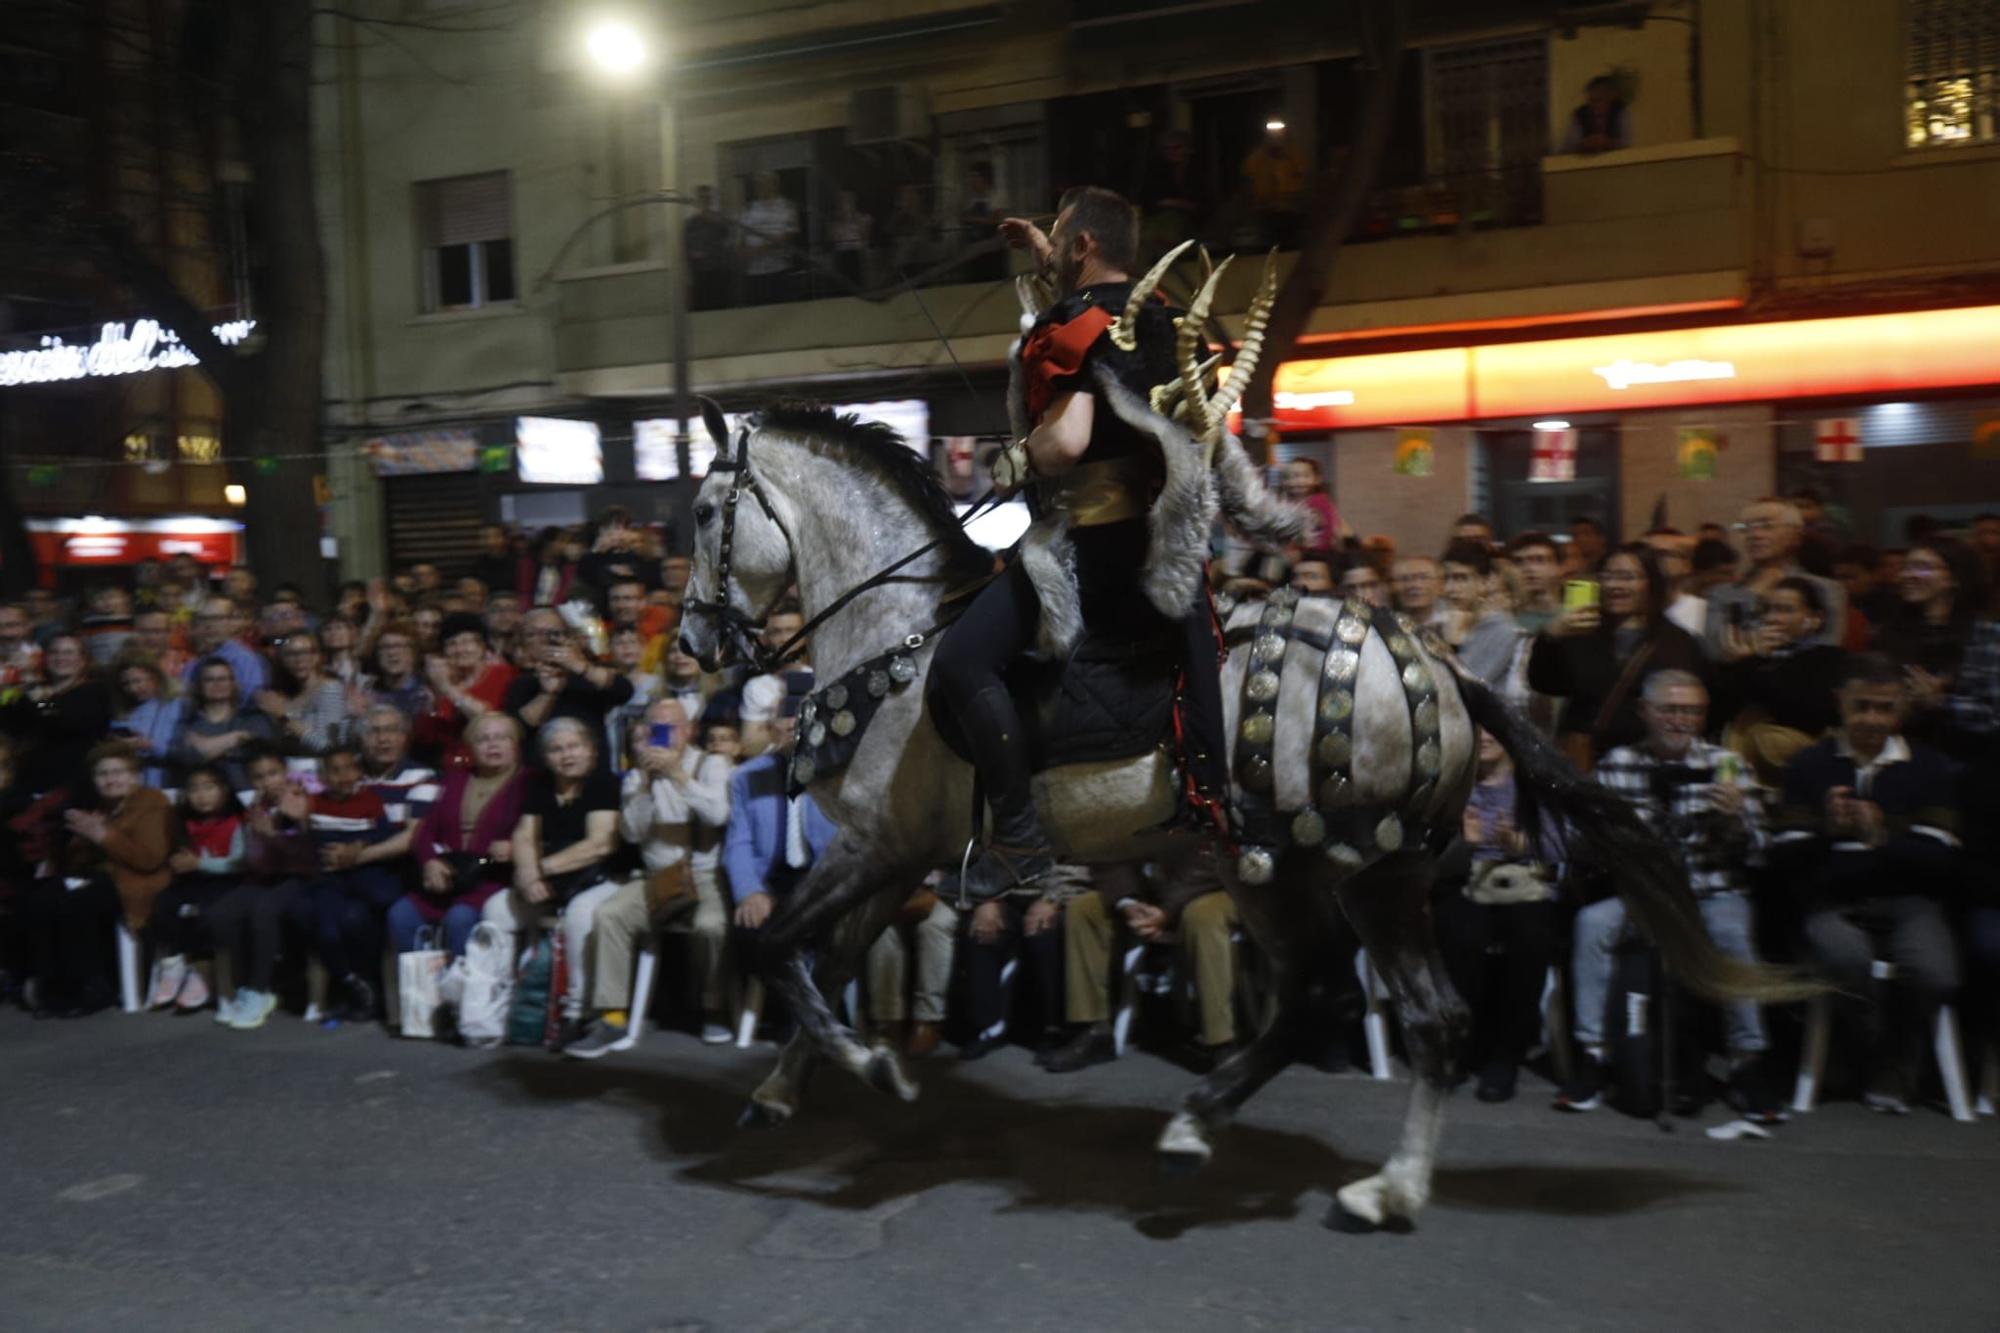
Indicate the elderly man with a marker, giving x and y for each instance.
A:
(1703, 802)
(675, 801)
(1772, 531)
(214, 634)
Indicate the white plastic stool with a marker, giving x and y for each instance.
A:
(1128, 1008)
(753, 1009)
(1944, 1041)
(1376, 1023)
(642, 994)
(129, 952)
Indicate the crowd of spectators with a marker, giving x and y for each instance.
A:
(276, 799)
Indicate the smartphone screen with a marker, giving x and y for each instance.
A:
(1579, 593)
(663, 736)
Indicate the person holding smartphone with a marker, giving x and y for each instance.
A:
(562, 682)
(1596, 654)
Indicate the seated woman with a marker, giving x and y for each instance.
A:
(307, 707)
(1496, 922)
(207, 867)
(565, 846)
(112, 865)
(148, 712)
(463, 845)
(66, 715)
(214, 730)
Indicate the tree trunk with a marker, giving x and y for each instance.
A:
(273, 399)
(1337, 200)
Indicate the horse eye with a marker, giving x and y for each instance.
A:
(704, 513)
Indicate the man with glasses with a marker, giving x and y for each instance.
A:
(1703, 802)
(397, 681)
(558, 680)
(1772, 533)
(214, 634)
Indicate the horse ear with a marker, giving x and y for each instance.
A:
(718, 425)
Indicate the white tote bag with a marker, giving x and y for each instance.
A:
(417, 975)
(484, 984)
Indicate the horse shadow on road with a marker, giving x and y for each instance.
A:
(853, 1149)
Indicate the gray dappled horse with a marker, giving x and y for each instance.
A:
(1355, 740)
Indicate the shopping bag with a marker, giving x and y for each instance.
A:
(481, 985)
(417, 976)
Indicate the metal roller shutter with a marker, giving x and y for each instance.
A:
(434, 518)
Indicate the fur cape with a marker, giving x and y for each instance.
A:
(1178, 523)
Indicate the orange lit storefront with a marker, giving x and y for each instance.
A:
(1703, 418)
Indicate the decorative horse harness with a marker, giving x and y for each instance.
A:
(1332, 819)
(832, 718)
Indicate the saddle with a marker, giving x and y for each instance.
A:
(1113, 698)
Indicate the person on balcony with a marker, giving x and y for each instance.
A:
(1601, 124)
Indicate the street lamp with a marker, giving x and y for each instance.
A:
(616, 47)
(619, 51)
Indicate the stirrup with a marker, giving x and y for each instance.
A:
(993, 869)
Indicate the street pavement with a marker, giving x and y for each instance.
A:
(160, 1174)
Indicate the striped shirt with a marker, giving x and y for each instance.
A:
(1975, 698)
(1672, 797)
(407, 794)
(357, 817)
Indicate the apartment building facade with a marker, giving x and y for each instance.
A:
(1786, 236)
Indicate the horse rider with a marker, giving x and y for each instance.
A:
(1088, 451)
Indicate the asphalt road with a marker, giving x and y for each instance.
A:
(159, 1174)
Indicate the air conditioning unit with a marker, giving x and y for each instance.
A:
(887, 113)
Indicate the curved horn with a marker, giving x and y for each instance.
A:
(1200, 419)
(1252, 346)
(1124, 333)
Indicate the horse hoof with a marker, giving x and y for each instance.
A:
(1174, 1167)
(1183, 1147)
(1338, 1218)
(885, 1074)
(763, 1115)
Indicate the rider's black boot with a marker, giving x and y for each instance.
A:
(1017, 850)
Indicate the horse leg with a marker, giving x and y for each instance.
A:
(776, 1099)
(1278, 917)
(1389, 904)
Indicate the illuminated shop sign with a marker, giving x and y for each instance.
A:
(110, 541)
(146, 345)
(1852, 356)
(554, 451)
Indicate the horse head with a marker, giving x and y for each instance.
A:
(742, 554)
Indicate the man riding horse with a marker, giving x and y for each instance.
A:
(1120, 552)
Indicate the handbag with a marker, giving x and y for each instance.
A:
(1500, 883)
(1581, 746)
(417, 975)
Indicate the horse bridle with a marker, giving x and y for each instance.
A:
(738, 626)
(741, 628)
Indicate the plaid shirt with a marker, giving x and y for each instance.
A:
(1672, 798)
(1975, 698)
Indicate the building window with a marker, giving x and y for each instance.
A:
(1487, 130)
(1951, 72)
(466, 223)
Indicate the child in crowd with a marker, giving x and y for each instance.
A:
(350, 901)
(247, 925)
(206, 867)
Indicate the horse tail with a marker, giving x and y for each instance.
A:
(1602, 828)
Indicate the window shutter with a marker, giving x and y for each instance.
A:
(462, 209)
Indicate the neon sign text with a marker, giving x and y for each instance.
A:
(147, 345)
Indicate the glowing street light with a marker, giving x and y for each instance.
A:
(616, 47)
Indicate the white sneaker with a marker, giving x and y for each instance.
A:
(226, 1007)
(252, 1012)
(714, 1034)
(168, 974)
(315, 1014)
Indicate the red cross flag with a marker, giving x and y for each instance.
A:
(1837, 440)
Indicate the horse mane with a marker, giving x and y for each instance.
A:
(880, 450)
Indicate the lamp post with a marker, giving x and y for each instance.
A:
(620, 52)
